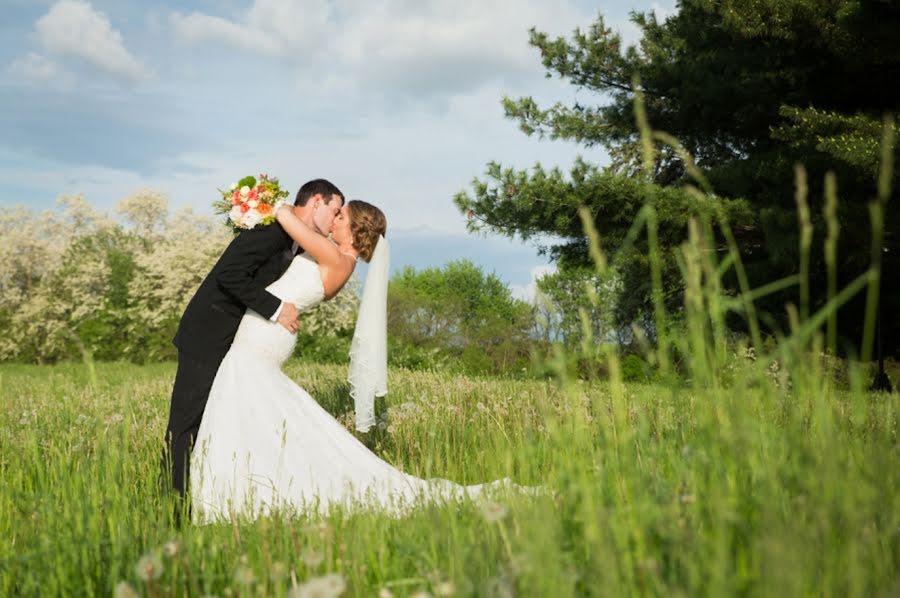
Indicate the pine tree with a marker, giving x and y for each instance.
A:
(750, 89)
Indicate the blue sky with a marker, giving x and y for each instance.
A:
(397, 102)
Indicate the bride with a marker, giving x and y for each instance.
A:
(264, 443)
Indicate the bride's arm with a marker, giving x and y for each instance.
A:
(319, 247)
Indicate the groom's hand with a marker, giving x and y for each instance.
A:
(288, 317)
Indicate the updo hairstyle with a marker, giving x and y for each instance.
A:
(367, 223)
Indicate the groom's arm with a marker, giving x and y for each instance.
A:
(241, 260)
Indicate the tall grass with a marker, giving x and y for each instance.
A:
(758, 477)
(658, 490)
(766, 488)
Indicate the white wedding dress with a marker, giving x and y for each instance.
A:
(266, 445)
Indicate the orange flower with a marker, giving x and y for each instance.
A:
(264, 208)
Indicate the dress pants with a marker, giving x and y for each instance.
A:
(193, 381)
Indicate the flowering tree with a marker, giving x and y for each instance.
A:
(74, 279)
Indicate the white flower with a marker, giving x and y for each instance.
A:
(253, 203)
(149, 567)
(329, 586)
(251, 218)
(124, 590)
(245, 191)
(336, 583)
(244, 575)
(233, 186)
(170, 548)
(385, 593)
(278, 570)
(493, 512)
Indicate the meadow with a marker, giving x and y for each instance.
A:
(744, 465)
(774, 484)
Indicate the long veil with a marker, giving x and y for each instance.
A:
(368, 350)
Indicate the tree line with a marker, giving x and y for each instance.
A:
(76, 282)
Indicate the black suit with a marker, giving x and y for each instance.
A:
(252, 261)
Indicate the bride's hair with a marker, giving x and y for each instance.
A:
(367, 223)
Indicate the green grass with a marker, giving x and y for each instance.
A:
(765, 487)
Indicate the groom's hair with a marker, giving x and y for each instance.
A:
(317, 187)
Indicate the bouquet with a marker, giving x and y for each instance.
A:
(250, 202)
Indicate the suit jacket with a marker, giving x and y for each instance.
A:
(253, 260)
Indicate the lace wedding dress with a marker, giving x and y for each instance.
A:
(265, 444)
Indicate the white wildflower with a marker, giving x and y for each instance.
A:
(170, 548)
(329, 586)
(493, 512)
(278, 570)
(124, 590)
(149, 567)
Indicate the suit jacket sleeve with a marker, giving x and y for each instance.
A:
(241, 260)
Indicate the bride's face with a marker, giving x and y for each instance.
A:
(340, 228)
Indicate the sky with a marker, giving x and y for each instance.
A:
(397, 102)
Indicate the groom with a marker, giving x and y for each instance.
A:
(253, 260)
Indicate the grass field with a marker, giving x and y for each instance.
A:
(759, 488)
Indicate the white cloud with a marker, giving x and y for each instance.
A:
(662, 10)
(433, 45)
(198, 28)
(528, 292)
(75, 28)
(271, 27)
(35, 67)
(295, 23)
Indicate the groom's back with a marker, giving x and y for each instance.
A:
(213, 314)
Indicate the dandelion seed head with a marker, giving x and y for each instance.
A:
(278, 570)
(493, 512)
(170, 548)
(244, 575)
(149, 568)
(329, 586)
(124, 590)
(336, 583)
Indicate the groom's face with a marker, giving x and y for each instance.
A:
(325, 212)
